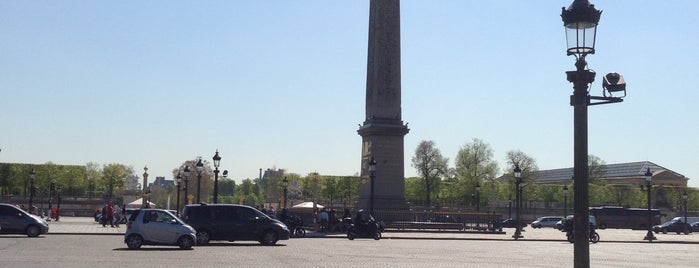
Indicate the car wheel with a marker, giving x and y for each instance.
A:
(185, 242)
(594, 238)
(664, 231)
(350, 235)
(134, 241)
(33, 231)
(300, 232)
(269, 238)
(377, 236)
(203, 237)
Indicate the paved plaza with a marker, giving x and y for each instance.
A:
(105, 248)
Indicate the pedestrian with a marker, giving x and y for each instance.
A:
(107, 214)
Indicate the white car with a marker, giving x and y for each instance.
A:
(546, 222)
(158, 227)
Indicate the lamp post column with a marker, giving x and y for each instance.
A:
(32, 175)
(372, 177)
(179, 187)
(200, 167)
(518, 197)
(217, 162)
(186, 186)
(649, 180)
(144, 203)
(686, 224)
(285, 183)
(565, 200)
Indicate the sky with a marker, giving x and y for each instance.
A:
(281, 84)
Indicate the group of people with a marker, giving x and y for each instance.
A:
(325, 220)
(111, 214)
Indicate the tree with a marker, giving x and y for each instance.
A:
(113, 175)
(596, 168)
(475, 164)
(431, 166)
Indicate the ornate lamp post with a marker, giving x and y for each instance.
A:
(518, 199)
(478, 197)
(649, 183)
(580, 21)
(186, 186)
(179, 188)
(144, 203)
(32, 190)
(200, 168)
(217, 162)
(565, 200)
(285, 184)
(684, 199)
(372, 176)
(59, 189)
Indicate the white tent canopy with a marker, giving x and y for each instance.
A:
(138, 202)
(307, 205)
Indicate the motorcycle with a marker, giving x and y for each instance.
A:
(570, 235)
(364, 226)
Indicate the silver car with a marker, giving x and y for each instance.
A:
(158, 227)
(546, 222)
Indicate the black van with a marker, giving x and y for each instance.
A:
(233, 222)
(14, 220)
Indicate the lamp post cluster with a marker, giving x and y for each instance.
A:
(183, 176)
(580, 21)
(649, 184)
(518, 203)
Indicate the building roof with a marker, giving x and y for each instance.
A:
(609, 172)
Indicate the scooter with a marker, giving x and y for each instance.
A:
(594, 237)
(364, 226)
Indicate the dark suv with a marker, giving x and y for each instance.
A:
(233, 222)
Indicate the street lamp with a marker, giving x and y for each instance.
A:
(649, 183)
(179, 187)
(518, 200)
(580, 21)
(59, 189)
(32, 175)
(186, 186)
(478, 197)
(686, 224)
(217, 162)
(565, 200)
(200, 167)
(285, 183)
(372, 176)
(144, 203)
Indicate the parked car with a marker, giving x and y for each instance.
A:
(549, 221)
(675, 225)
(694, 226)
(511, 223)
(14, 220)
(158, 227)
(233, 223)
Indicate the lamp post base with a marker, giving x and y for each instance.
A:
(650, 237)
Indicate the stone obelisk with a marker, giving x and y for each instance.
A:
(383, 129)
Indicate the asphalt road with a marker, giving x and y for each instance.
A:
(107, 251)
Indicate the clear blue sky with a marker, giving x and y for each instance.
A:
(282, 83)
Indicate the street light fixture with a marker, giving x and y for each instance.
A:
(580, 21)
(200, 167)
(478, 197)
(565, 200)
(32, 175)
(285, 183)
(179, 188)
(686, 224)
(186, 186)
(372, 176)
(518, 200)
(649, 183)
(217, 162)
(144, 203)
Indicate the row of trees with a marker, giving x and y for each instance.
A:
(76, 181)
(442, 185)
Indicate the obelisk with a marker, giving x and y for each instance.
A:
(383, 129)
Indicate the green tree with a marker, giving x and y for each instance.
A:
(596, 168)
(431, 166)
(113, 176)
(474, 164)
